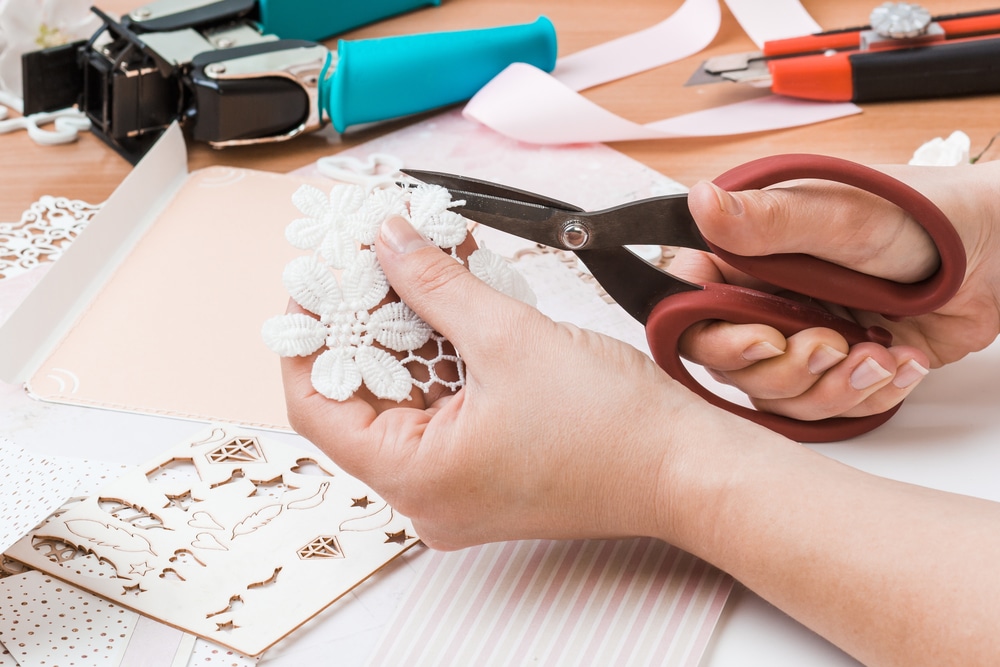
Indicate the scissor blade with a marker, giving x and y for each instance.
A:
(632, 282)
(524, 214)
(636, 285)
(485, 188)
(654, 221)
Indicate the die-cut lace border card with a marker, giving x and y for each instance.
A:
(45, 230)
(233, 537)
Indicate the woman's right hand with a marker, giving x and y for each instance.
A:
(816, 374)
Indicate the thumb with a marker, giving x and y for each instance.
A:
(835, 222)
(443, 292)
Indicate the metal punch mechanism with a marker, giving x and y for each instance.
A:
(206, 65)
(238, 72)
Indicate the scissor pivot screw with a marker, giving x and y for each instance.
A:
(574, 235)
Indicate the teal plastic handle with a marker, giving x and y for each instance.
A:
(316, 20)
(378, 79)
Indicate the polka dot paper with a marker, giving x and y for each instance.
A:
(45, 622)
(31, 488)
(48, 622)
(209, 654)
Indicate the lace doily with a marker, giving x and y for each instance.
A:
(45, 230)
(366, 339)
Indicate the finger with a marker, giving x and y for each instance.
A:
(852, 387)
(724, 346)
(309, 411)
(469, 313)
(703, 268)
(807, 356)
(911, 368)
(832, 221)
(342, 429)
(368, 441)
(696, 266)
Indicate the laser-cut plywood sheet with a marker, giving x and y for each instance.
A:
(236, 538)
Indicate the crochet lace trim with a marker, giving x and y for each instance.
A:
(365, 340)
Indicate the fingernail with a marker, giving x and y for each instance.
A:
(824, 358)
(718, 377)
(760, 351)
(908, 374)
(868, 374)
(400, 236)
(727, 202)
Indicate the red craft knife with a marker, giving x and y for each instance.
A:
(904, 53)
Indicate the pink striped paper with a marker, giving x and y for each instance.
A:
(584, 602)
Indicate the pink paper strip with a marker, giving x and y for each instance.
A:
(686, 32)
(557, 115)
(526, 104)
(764, 20)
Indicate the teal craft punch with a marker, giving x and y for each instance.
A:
(240, 72)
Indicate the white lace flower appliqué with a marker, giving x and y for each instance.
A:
(343, 284)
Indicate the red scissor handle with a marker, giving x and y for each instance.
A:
(671, 317)
(834, 283)
(808, 275)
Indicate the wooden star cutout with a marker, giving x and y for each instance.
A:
(361, 502)
(228, 626)
(140, 568)
(133, 590)
(398, 537)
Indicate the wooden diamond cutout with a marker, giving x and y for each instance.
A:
(324, 546)
(238, 450)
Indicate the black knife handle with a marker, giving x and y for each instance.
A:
(967, 67)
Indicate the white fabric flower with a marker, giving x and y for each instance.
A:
(940, 152)
(343, 284)
(30, 25)
(430, 214)
(497, 272)
(348, 326)
(379, 205)
(327, 227)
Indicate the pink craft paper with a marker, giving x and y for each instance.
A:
(565, 117)
(686, 32)
(177, 330)
(765, 20)
(528, 105)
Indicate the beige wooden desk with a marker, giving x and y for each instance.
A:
(888, 132)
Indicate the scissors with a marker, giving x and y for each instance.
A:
(668, 305)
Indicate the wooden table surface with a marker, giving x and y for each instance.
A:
(884, 133)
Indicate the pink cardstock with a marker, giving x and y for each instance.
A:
(176, 331)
